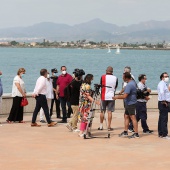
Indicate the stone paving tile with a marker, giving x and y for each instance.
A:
(55, 148)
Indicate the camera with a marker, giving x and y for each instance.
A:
(78, 72)
(141, 94)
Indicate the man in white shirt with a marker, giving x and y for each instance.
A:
(39, 93)
(109, 84)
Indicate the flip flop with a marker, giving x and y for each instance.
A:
(9, 121)
(21, 121)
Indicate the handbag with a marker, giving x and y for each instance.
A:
(24, 101)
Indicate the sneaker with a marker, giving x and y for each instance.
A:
(147, 131)
(134, 136)
(76, 130)
(52, 124)
(131, 130)
(166, 137)
(35, 125)
(123, 134)
(82, 135)
(68, 126)
(42, 121)
(100, 128)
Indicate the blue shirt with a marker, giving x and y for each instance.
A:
(130, 89)
(1, 89)
(163, 91)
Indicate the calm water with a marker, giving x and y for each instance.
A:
(95, 61)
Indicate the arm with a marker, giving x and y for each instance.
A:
(124, 96)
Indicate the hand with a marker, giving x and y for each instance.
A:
(147, 98)
(24, 94)
(57, 97)
(34, 95)
(114, 98)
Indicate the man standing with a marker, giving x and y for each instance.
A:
(74, 100)
(130, 102)
(39, 93)
(163, 100)
(54, 78)
(109, 84)
(63, 80)
(141, 110)
(1, 92)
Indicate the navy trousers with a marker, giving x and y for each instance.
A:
(163, 120)
(141, 114)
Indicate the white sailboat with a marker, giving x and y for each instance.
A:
(109, 51)
(117, 50)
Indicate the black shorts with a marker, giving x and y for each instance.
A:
(130, 109)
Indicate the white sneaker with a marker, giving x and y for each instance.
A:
(166, 137)
(76, 130)
(82, 135)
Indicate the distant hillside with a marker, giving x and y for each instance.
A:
(94, 30)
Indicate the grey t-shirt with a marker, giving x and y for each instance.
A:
(130, 89)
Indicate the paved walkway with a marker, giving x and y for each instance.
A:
(54, 148)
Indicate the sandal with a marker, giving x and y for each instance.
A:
(21, 121)
(9, 121)
(110, 129)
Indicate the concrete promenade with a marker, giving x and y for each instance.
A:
(23, 147)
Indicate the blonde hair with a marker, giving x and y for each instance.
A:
(21, 70)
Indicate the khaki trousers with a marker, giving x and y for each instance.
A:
(74, 120)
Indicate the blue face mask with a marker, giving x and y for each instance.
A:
(22, 75)
(55, 74)
(0, 76)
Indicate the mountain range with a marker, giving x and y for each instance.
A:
(94, 30)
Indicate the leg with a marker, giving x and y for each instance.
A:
(103, 110)
(69, 110)
(51, 107)
(37, 109)
(63, 106)
(74, 120)
(126, 122)
(45, 108)
(135, 123)
(57, 103)
(144, 116)
(109, 119)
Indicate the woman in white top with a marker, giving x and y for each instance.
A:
(18, 92)
(49, 96)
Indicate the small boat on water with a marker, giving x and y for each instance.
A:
(109, 51)
(117, 50)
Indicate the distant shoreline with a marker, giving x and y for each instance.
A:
(122, 48)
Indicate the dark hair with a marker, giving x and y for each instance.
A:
(43, 71)
(127, 75)
(88, 78)
(63, 66)
(162, 75)
(141, 76)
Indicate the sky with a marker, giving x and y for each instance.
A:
(15, 13)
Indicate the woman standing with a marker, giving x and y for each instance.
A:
(85, 102)
(18, 92)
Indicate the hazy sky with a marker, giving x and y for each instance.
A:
(121, 12)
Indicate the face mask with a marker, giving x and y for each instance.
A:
(0, 76)
(55, 74)
(64, 72)
(48, 76)
(22, 75)
(166, 79)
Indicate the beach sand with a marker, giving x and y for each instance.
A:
(23, 147)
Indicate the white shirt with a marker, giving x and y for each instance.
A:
(163, 91)
(50, 94)
(40, 87)
(15, 91)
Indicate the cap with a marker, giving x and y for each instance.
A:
(54, 70)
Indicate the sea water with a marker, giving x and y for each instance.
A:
(93, 61)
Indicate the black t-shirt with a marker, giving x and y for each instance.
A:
(75, 92)
(54, 80)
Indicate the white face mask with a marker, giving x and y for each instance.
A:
(166, 79)
(48, 76)
(64, 72)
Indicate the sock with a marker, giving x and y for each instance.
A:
(101, 125)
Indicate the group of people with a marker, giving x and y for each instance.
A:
(53, 89)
